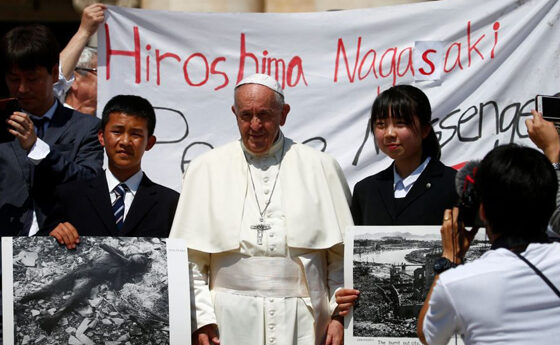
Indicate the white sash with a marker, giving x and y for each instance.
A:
(257, 276)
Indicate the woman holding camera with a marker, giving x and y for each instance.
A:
(417, 187)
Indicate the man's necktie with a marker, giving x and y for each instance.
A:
(39, 123)
(118, 204)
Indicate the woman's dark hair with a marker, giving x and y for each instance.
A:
(517, 187)
(403, 102)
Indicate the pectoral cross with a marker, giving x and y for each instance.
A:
(262, 226)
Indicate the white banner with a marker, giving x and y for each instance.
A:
(481, 63)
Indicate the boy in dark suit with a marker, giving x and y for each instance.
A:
(123, 201)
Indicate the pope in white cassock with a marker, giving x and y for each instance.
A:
(264, 221)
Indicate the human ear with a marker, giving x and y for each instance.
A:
(151, 142)
(482, 216)
(54, 73)
(426, 129)
(285, 111)
(101, 138)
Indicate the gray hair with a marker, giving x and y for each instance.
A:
(86, 59)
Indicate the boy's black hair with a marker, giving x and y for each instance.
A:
(131, 105)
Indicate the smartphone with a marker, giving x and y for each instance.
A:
(7, 108)
(549, 106)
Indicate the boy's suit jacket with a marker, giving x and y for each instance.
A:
(87, 206)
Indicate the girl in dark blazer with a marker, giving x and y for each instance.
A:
(417, 187)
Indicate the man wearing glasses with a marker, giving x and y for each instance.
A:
(77, 76)
(82, 95)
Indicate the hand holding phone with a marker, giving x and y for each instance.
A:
(549, 107)
(7, 108)
(545, 135)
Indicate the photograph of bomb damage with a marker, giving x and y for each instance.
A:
(107, 291)
(393, 269)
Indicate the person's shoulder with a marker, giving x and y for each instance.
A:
(311, 154)
(438, 166)
(76, 115)
(306, 149)
(543, 251)
(217, 154)
(79, 120)
(77, 186)
(449, 171)
(166, 192)
(216, 159)
(491, 263)
(384, 174)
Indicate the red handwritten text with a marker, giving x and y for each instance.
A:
(394, 63)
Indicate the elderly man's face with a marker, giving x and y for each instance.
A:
(84, 89)
(259, 116)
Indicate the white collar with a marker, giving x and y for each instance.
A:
(408, 181)
(133, 182)
(274, 151)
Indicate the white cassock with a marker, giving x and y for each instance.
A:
(279, 291)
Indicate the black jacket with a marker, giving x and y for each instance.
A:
(373, 201)
(87, 206)
(75, 154)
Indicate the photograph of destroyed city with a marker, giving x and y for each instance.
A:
(106, 291)
(393, 269)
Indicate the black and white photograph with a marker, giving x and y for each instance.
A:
(392, 266)
(106, 291)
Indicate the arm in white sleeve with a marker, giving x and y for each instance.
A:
(441, 320)
(38, 151)
(335, 272)
(62, 85)
(202, 308)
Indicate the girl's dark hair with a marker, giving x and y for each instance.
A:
(403, 102)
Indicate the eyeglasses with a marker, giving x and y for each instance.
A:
(86, 69)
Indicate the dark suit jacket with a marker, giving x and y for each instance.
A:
(87, 206)
(75, 153)
(373, 201)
